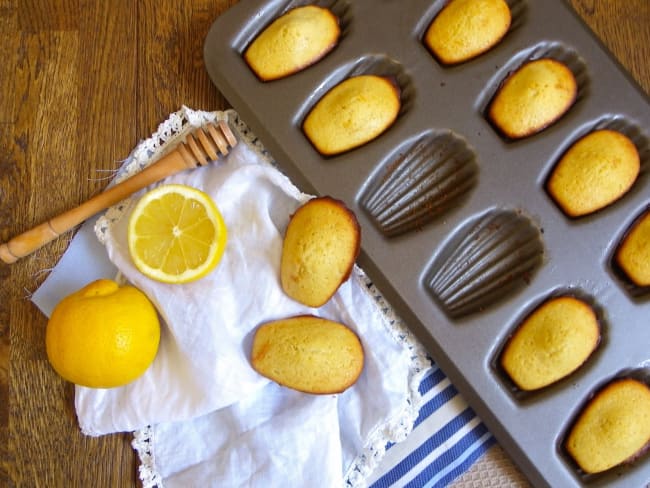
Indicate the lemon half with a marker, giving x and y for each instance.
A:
(176, 234)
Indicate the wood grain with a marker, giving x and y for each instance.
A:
(81, 82)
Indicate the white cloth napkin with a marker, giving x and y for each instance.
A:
(215, 421)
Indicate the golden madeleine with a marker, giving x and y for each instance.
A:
(352, 113)
(633, 254)
(596, 171)
(532, 98)
(292, 42)
(613, 428)
(308, 354)
(465, 29)
(551, 343)
(320, 247)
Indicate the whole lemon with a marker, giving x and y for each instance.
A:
(103, 335)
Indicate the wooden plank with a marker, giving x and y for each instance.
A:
(171, 51)
(41, 15)
(624, 28)
(108, 101)
(8, 48)
(59, 103)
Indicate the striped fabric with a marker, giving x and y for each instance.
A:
(446, 440)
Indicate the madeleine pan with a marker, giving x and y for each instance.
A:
(458, 231)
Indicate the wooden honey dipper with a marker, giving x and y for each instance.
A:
(199, 148)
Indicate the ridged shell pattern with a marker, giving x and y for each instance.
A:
(420, 182)
(492, 257)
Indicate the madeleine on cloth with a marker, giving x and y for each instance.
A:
(320, 246)
(308, 353)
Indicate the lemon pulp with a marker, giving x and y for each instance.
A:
(176, 234)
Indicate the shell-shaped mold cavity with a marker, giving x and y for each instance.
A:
(490, 258)
(260, 21)
(420, 181)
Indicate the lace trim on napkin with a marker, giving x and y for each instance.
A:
(393, 430)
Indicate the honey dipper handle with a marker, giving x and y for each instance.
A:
(33, 239)
(187, 155)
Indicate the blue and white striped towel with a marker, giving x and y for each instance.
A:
(446, 440)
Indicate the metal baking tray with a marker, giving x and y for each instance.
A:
(502, 197)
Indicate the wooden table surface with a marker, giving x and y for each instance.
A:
(81, 82)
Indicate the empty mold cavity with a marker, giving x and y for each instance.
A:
(545, 50)
(517, 14)
(420, 181)
(616, 473)
(637, 266)
(531, 395)
(274, 9)
(618, 124)
(488, 259)
(377, 65)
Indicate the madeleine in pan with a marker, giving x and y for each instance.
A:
(465, 29)
(596, 171)
(532, 98)
(551, 343)
(354, 112)
(613, 428)
(633, 253)
(292, 42)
